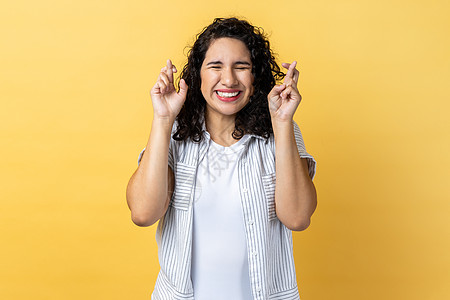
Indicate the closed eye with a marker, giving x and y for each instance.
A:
(214, 66)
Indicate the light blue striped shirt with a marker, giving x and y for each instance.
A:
(269, 242)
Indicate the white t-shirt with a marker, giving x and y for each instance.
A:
(219, 250)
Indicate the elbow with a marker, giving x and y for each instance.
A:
(141, 215)
(142, 220)
(297, 221)
(298, 224)
(144, 216)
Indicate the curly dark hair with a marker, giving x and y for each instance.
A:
(254, 118)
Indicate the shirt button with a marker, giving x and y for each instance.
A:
(254, 253)
(251, 222)
(258, 289)
(244, 190)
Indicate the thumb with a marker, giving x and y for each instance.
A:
(276, 90)
(183, 89)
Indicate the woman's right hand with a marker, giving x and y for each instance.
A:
(166, 101)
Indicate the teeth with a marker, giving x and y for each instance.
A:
(227, 95)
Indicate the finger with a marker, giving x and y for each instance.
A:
(155, 89)
(276, 90)
(165, 78)
(290, 72)
(287, 92)
(162, 86)
(183, 89)
(296, 75)
(174, 69)
(286, 80)
(158, 88)
(170, 70)
(291, 93)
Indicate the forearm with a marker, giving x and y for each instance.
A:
(295, 194)
(148, 187)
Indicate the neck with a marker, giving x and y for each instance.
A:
(220, 128)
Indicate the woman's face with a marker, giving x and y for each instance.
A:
(226, 77)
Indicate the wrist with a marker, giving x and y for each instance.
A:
(164, 122)
(281, 122)
(282, 127)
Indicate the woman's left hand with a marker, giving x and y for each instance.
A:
(285, 98)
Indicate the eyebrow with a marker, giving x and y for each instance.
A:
(218, 62)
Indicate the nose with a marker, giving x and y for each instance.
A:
(229, 78)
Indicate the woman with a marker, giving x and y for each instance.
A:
(226, 172)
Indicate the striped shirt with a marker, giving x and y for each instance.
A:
(269, 242)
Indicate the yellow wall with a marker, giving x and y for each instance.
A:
(75, 112)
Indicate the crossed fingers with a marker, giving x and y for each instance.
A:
(291, 78)
(165, 79)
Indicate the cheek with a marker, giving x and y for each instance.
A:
(203, 83)
(252, 82)
(207, 80)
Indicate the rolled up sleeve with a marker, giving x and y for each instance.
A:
(302, 151)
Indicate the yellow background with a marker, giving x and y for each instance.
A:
(75, 112)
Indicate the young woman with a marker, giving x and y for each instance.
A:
(225, 172)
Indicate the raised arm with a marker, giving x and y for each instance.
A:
(151, 186)
(295, 194)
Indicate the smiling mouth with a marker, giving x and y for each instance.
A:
(227, 95)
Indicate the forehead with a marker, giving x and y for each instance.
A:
(225, 49)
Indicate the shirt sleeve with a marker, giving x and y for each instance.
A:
(140, 156)
(302, 151)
